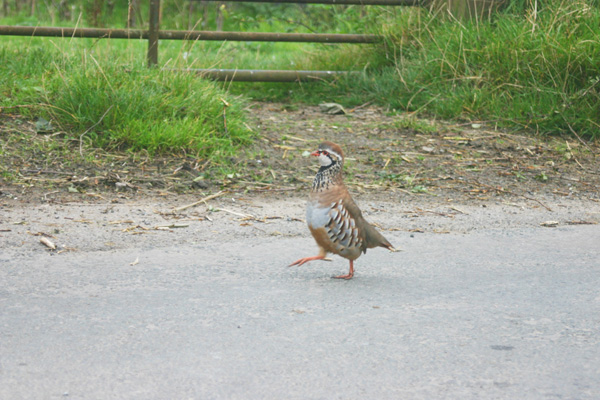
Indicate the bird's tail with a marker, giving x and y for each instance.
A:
(376, 239)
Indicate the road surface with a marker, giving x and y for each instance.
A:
(497, 311)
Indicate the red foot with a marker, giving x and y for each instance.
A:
(305, 260)
(349, 276)
(350, 273)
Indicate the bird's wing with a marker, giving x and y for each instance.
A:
(341, 227)
(371, 236)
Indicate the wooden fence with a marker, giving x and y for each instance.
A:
(154, 34)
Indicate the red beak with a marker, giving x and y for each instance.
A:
(315, 153)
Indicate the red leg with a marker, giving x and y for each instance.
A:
(307, 259)
(350, 273)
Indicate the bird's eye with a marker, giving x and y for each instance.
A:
(325, 152)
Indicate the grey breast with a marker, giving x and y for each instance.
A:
(317, 216)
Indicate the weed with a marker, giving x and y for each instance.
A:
(519, 175)
(404, 181)
(415, 124)
(418, 189)
(542, 177)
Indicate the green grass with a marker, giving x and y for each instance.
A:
(528, 68)
(535, 71)
(539, 72)
(121, 105)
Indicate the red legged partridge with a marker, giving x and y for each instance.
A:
(333, 218)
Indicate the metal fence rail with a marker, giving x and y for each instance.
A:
(186, 35)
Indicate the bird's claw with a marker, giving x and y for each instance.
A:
(305, 260)
(347, 277)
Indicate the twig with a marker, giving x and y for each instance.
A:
(297, 138)
(46, 242)
(172, 226)
(269, 189)
(235, 213)
(90, 128)
(420, 211)
(513, 193)
(361, 106)
(255, 183)
(203, 200)
(573, 155)
(53, 192)
(577, 136)
(574, 180)
(225, 105)
(41, 171)
(289, 20)
(459, 210)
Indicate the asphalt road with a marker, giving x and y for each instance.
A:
(492, 314)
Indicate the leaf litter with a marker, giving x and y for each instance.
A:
(387, 155)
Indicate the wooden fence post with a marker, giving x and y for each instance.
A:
(153, 33)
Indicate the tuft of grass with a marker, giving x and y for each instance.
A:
(118, 106)
(415, 124)
(538, 71)
(534, 66)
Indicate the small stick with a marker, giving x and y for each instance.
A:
(573, 155)
(236, 213)
(578, 137)
(271, 189)
(361, 106)
(205, 199)
(225, 105)
(297, 138)
(46, 242)
(386, 163)
(172, 226)
(90, 128)
(459, 210)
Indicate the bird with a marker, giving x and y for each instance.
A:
(333, 218)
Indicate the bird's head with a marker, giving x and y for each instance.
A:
(329, 154)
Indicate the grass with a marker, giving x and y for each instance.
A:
(114, 105)
(538, 70)
(533, 68)
(101, 92)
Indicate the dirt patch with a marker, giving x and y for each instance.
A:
(389, 157)
(403, 155)
(409, 177)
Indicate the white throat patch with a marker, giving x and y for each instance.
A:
(325, 161)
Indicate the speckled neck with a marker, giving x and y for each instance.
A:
(327, 177)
